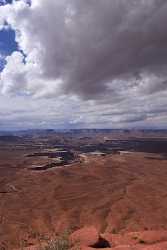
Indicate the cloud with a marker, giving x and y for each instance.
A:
(113, 53)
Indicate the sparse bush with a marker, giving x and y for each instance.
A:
(135, 237)
(114, 231)
(60, 243)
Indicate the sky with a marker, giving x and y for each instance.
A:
(83, 64)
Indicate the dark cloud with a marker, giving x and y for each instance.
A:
(116, 38)
(111, 52)
(88, 44)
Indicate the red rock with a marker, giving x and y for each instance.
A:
(116, 194)
(86, 236)
(125, 247)
(158, 246)
(144, 240)
(151, 237)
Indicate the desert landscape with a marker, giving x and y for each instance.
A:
(83, 124)
(110, 185)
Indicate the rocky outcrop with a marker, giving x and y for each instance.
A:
(116, 194)
(88, 238)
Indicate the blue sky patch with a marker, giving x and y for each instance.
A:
(7, 41)
(3, 2)
(7, 45)
(2, 63)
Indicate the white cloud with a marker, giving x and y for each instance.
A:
(105, 58)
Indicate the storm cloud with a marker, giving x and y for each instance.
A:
(113, 53)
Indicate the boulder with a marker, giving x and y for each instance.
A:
(86, 236)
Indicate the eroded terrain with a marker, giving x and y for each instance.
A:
(53, 182)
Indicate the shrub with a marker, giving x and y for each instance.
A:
(60, 243)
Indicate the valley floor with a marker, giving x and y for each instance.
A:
(117, 194)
